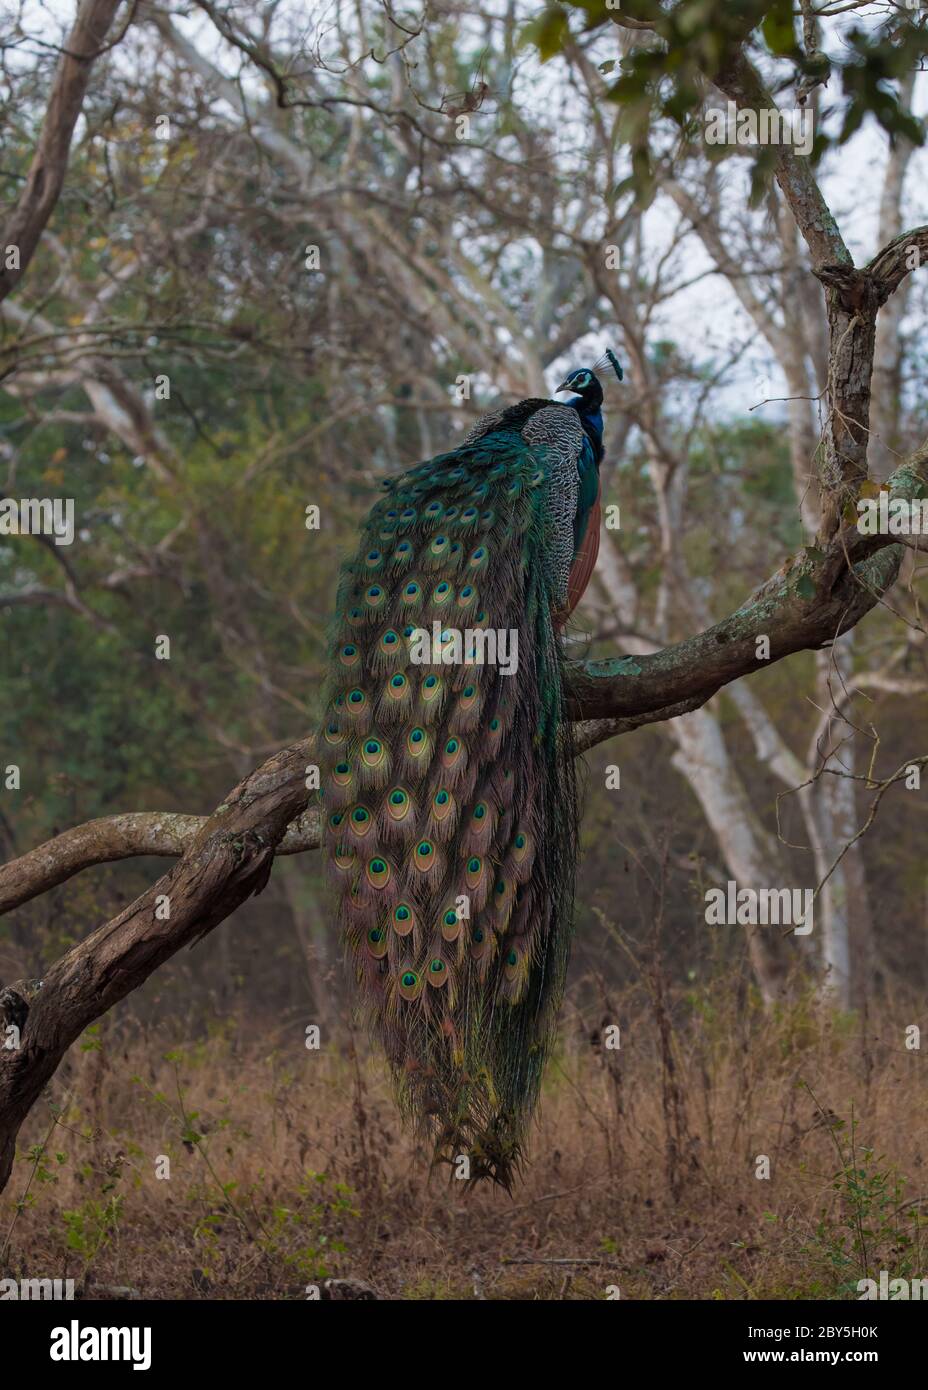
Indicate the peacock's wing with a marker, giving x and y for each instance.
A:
(448, 778)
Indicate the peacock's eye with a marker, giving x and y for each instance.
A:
(441, 798)
(378, 873)
(474, 865)
(479, 811)
(450, 917)
(359, 815)
(402, 913)
(398, 682)
(512, 958)
(409, 979)
(520, 841)
(397, 798)
(478, 934)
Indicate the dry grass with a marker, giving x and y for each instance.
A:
(289, 1165)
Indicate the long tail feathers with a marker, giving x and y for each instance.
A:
(449, 794)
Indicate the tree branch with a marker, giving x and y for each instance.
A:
(227, 860)
(159, 834)
(50, 161)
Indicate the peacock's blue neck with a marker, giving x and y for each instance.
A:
(591, 418)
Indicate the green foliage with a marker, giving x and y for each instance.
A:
(92, 1225)
(665, 75)
(323, 1208)
(863, 1229)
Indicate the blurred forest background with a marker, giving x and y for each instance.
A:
(199, 179)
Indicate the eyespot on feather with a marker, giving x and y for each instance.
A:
(360, 822)
(378, 872)
(437, 973)
(402, 919)
(377, 942)
(409, 985)
(451, 925)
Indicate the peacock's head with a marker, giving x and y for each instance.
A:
(585, 382)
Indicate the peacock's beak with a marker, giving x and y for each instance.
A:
(565, 386)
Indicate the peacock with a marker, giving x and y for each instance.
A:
(448, 788)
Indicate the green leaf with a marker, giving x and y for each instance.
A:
(547, 33)
(779, 31)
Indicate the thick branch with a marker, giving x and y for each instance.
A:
(159, 834)
(50, 161)
(228, 859)
(903, 254)
(813, 599)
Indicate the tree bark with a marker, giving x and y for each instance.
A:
(44, 181)
(228, 859)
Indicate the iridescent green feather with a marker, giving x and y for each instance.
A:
(453, 785)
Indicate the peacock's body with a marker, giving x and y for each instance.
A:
(447, 768)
